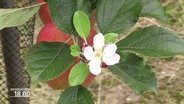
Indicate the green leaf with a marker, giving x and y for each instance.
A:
(18, 16)
(78, 74)
(110, 37)
(153, 8)
(45, 61)
(76, 95)
(153, 42)
(75, 50)
(62, 12)
(81, 23)
(117, 16)
(136, 74)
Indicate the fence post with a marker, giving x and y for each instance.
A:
(14, 64)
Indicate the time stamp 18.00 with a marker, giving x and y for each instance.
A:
(20, 92)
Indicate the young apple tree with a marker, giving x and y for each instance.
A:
(69, 52)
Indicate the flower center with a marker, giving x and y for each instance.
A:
(98, 54)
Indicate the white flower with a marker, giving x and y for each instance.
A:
(100, 53)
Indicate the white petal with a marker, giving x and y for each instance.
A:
(109, 49)
(95, 66)
(88, 53)
(98, 41)
(111, 60)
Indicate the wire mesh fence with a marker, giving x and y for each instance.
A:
(15, 42)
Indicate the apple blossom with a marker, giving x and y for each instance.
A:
(100, 54)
